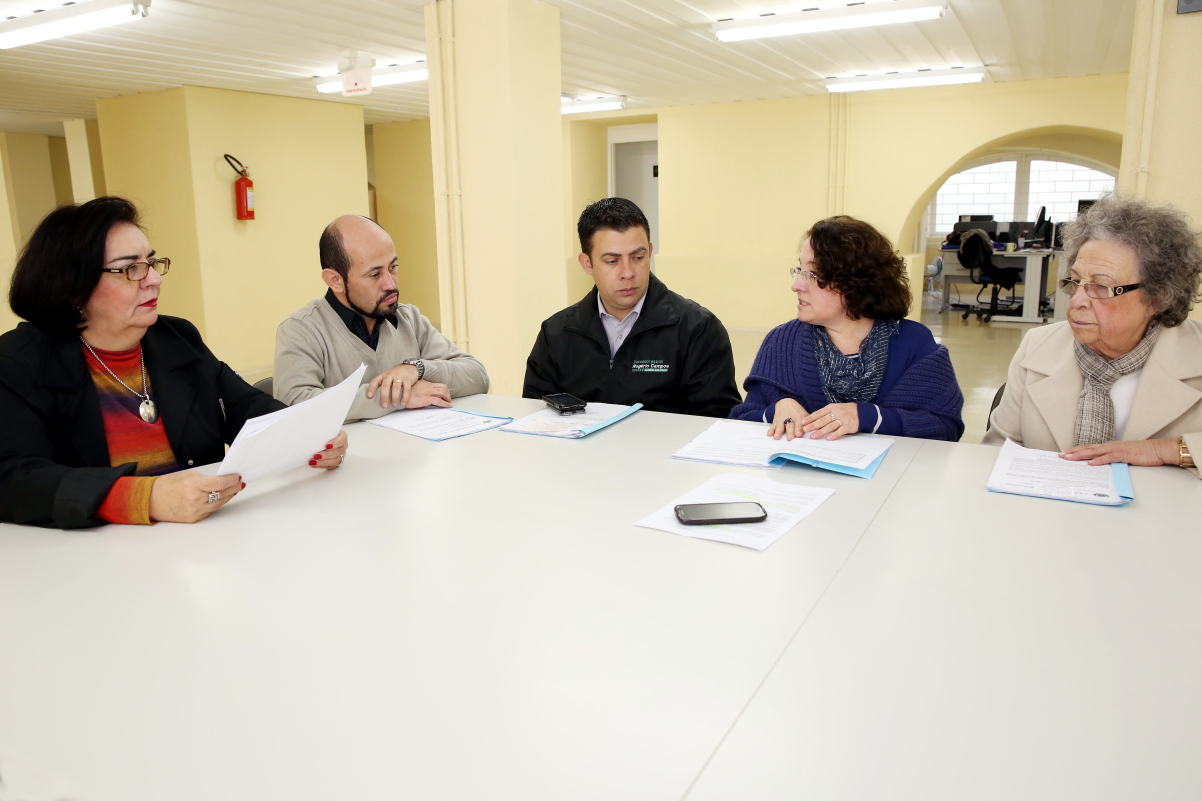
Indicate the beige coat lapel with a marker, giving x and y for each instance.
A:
(1055, 397)
(1162, 397)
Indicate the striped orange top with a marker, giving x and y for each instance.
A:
(130, 438)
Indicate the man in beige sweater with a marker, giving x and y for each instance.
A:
(360, 321)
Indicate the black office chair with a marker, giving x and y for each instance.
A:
(997, 399)
(265, 385)
(976, 254)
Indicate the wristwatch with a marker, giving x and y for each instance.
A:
(420, 365)
(1184, 458)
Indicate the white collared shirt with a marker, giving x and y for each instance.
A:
(617, 330)
(1122, 395)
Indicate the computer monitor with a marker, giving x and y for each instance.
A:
(1043, 227)
(1023, 228)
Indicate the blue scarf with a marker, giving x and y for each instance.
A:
(854, 378)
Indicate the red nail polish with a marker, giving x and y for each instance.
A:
(317, 456)
(243, 485)
(329, 445)
(312, 463)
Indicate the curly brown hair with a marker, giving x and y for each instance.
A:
(859, 262)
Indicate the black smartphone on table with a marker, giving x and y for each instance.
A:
(708, 514)
(564, 403)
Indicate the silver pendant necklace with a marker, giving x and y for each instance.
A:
(147, 408)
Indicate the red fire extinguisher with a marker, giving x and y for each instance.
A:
(244, 190)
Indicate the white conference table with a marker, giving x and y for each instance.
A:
(963, 655)
(480, 618)
(476, 618)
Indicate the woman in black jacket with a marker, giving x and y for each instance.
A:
(104, 403)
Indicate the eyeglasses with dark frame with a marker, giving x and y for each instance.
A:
(138, 270)
(1095, 291)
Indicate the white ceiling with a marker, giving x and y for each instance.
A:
(656, 52)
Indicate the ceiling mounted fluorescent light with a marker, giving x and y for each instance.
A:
(583, 104)
(902, 80)
(830, 19)
(69, 20)
(380, 76)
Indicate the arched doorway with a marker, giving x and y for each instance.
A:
(1090, 147)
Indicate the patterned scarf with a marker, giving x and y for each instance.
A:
(1095, 409)
(854, 378)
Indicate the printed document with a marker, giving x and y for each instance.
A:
(786, 505)
(728, 442)
(437, 423)
(1043, 474)
(550, 423)
(288, 438)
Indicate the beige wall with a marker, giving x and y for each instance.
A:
(1162, 159)
(27, 195)
(404, 180)
(236, 279)
(309, 164)
(8, 253)
(29, 180)
(741, 182)
(586, 180)
(60, 171)
(86, 162)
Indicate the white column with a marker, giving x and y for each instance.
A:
(497, 143)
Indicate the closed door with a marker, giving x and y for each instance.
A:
(635, 178)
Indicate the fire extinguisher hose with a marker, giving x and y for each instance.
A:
(237, 165)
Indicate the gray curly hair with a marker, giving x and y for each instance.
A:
(1170, 261)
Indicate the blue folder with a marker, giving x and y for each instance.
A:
(779, 459)
(1119, 471)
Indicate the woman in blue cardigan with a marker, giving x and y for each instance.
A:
(850, 362)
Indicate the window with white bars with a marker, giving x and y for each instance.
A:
(988, 189)
(1058, 185)
(1015, 188)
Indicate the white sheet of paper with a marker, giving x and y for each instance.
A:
(21, 781)
(727, 442)
(289, 437)
(1026, 471)
(786, 505)
(437, 423)
(551, 423)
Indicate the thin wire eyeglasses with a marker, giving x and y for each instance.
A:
(1095, 291)
(806, 276)
(140, 269)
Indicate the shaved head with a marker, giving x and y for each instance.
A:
(355, 229)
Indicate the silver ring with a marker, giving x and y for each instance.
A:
(838, 422)
(341, 459)
(831, 415)
(398, 381)
(787, 421)
(214, 497)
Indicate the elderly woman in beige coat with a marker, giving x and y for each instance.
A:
(1121, 380)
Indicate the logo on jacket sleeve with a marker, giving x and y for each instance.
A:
(649, 366)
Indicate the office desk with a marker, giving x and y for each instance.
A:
(473, 619)
(1033, 262)
(960, 655)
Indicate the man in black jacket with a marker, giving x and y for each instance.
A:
(632, 340)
